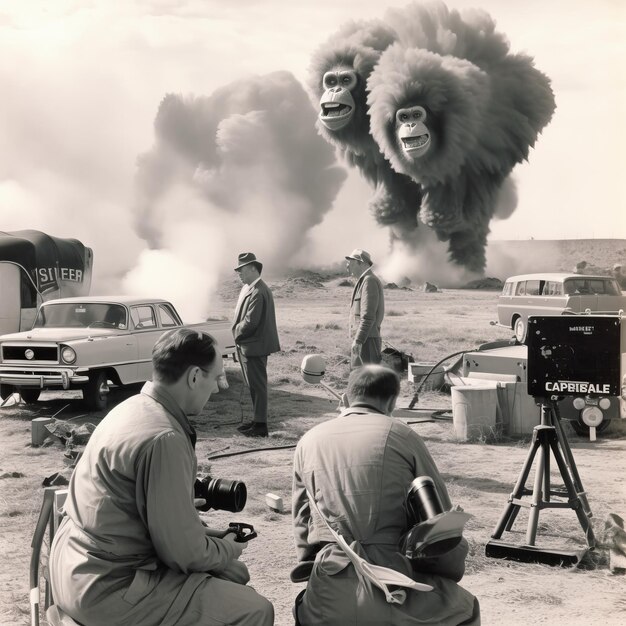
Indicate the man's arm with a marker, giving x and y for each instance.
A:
(165, 501)
(369, 306)
(301, 512)
(452, 563)
(251, 320)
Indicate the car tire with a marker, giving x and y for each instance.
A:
(30, 396)
(6, 391)
(96, 392)
(520, 329)
(580, 428)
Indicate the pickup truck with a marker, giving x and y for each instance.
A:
(88, 342)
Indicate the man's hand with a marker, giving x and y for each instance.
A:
(238, 547)
(236, 572)
(356, 352)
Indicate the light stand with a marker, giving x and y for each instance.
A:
(313, 368)
(547, 437)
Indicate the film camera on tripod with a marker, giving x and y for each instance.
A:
(583, 357)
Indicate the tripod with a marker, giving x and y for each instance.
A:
(548, 436)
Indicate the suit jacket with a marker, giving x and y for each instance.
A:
(254, 325)
(367, 307)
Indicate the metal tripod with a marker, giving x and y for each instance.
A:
(548, 436)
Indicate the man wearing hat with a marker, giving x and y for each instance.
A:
(619, 277)
(367, 309)
(256, 337)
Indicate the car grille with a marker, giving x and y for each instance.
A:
(41, 353)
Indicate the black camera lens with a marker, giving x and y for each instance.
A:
(226, 495)
(423, 501)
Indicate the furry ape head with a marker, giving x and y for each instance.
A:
(427, 112)
(337, 84)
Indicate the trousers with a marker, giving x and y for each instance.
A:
(254, 370)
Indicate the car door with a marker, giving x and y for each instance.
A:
(146, 332)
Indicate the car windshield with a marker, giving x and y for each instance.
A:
(81, 315)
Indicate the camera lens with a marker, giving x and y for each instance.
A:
(423, 500)
(227, 495)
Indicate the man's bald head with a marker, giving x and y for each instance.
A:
(373, 384)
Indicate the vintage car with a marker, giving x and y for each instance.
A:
(555, 294)
(88, 342)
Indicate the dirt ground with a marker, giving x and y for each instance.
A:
(480, 475)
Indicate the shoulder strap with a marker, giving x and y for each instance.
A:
(376, 574)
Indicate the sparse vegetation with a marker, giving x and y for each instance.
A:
(480, 475)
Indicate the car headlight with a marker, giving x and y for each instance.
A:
(68, 354)
(592, 416)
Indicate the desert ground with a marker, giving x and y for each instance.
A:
(312, 318)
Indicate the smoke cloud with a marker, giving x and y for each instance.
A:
(240, 170)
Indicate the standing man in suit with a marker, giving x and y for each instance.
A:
(367, 310)
(256, 337)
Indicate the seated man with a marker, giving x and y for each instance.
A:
(358, 467)
(132, 549)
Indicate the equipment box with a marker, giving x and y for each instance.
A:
(509, 360)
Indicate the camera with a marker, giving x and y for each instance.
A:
(221, 494)
(434, 531)
(575, 355)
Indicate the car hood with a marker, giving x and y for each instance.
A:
(58, 334)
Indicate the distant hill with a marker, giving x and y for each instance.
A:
(556, 255)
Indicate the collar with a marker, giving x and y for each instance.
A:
(164, 398)
(254, 282)
(353, 409)
(369, 269)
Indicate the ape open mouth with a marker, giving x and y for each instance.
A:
(335, 109)
(413, 143)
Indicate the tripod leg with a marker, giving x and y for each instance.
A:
(535, 507)
(511, 510)
(575, 499)
(571, 464)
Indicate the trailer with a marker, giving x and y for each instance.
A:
(36, 267)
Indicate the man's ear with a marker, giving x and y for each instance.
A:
(192, 376)
(391, 404)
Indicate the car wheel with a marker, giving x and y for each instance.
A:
(580, 428)
(6, 391)
(30, 396)
(519, 328)
(95, 394)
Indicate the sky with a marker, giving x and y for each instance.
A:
(83, 114)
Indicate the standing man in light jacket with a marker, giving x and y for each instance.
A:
(256, 337)
(367, 310)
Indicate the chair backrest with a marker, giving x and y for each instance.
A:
(49, 519)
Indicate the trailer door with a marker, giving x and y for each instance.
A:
(10, 298)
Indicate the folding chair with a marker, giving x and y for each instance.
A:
(49, 520)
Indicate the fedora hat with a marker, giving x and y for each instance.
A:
(245, 258)
(360, 255)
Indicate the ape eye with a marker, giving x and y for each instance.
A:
(348, 80)
(330, 80)
(419, 113)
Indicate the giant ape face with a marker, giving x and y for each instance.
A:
(337, 105)
(414, 136)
